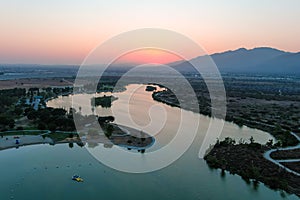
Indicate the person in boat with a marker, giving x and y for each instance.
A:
(77, 178)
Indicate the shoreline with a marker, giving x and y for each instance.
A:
(249, 162)
(134, 135)
(157, 96)
(29, 140)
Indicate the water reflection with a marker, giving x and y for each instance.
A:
(143, 113)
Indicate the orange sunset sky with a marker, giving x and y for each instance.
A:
(64, 32)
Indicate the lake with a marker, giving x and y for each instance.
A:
(44, 171)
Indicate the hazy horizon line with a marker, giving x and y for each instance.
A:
(135, 63)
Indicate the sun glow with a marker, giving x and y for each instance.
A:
(147, 56)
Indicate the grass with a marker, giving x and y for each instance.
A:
(21, 132)
(59, 136)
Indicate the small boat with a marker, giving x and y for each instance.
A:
(77, 178)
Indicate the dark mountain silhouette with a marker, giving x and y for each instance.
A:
(286, 63)
(257, 60)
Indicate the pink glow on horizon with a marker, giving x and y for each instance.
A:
(147, 56)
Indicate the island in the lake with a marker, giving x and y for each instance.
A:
(114, 134)
(104, 101)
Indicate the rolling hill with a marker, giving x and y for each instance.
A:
(257, 60)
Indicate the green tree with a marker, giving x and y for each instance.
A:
(71, 145)
(52, 127)
(269, 143)
(109, 130)
(41, 126)
(18, 111)
(251, 140)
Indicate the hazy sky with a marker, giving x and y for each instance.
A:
(65, 31)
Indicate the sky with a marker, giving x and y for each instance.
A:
(64, 32)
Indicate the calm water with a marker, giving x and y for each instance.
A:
(43, 171)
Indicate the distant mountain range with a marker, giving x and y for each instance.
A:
(257, 60)
(262, 60)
